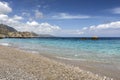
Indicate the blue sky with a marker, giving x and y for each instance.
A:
(63, 17)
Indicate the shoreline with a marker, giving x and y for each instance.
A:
(36, 66)
(100, 68)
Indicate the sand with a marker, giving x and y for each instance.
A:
(16, 64)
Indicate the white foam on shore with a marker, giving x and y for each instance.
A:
(34, 52)
(31, 51)
(5, 44)
(69, 58)
(80, 59)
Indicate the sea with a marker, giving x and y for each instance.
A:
(104, 49)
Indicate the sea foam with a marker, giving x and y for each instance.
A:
(5, 44)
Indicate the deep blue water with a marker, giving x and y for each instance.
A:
(103, 49)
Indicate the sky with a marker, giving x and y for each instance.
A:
(68, 18)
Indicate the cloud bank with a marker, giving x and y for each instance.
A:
(111, 25)
(32, 26)
(109, 29)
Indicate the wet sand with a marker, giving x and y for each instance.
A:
(16, 64)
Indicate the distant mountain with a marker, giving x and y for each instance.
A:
(7, 31)
(45, 35)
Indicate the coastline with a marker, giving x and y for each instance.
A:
(108, 69)
(17, 64)
(100, 68)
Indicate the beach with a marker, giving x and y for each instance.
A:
(60, 40)
(16, 64)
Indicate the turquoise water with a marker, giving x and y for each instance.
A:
(105, 49)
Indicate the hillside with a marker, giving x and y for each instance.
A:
(4, 29)
(7, 31)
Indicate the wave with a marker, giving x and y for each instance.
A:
(69, 58)
(73, 59)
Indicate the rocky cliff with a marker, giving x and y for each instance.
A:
(21, 34)
(6, 31)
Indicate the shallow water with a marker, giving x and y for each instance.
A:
(103, 49)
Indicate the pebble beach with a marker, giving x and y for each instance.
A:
(16, 64)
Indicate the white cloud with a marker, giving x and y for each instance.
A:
(78, 32)
(74, 32)
(84, 28)
(4, 8)
(112, 25)
(3, 16)
(38, 14)
(33, 23)
(16, 17)
(109, 29)
(68, 16)
(41, 28)
(33, 26)
(5, 19)
(116, 10)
